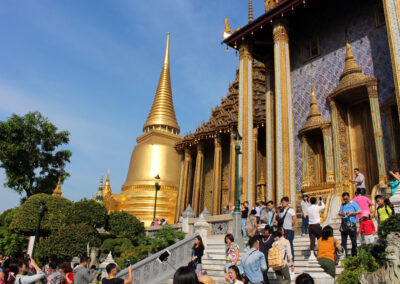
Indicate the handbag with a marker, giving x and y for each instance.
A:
(193, 264)
(347, 227)
(281, 220)
(338, 255)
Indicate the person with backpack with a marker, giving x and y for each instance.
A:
(280, 258)
(348, 211)
(112, 271)
(286, 219)
(327, 246)
(253, 263)
(384, 211)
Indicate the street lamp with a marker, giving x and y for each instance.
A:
(157, 187)
(237, 138)
(40, 216)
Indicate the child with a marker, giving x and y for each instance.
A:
(384, 211)
(369, 229)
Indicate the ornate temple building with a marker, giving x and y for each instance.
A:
(316, 94)
(154, 160)
(313, 98)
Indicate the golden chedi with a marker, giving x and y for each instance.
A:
(153, 155)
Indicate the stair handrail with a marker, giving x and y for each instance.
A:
(146, 266)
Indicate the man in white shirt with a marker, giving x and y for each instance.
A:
(314, 221)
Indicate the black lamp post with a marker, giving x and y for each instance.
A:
(237, 138)
(40, 216)
(157, 187)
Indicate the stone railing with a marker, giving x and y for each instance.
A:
(150, 270)
(217, 225)
(150, 231)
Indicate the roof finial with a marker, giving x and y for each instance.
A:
(162, 112)
(251, 18)
(99, 195)
(107, 185)
(57, 191)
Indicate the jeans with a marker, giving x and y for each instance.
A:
(283, 275)
(290, 237)
(243, 228)
(304, 225)
(353, 238)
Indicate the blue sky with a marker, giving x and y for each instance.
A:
(92, 68)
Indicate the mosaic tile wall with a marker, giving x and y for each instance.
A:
(371, 51)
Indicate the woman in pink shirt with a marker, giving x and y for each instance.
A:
(364, 203)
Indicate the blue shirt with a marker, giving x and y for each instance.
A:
(394, 184)
(253, 261)
(350, 207)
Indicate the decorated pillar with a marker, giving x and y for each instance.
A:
(186, 180)
(216, 196)
(198, 178)
(245, 123)
(326, 133)
(392, 16)
(270, 130)
(336, 143)
(378, 133)
(180, 188)
(285, 165)
(232, 164)
(254, 173)
(304, 146)
(394, 164)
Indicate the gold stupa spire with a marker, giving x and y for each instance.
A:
(162, 113)
(57, 191)
(107, 185)
(251, 17)
(350, 65)
(314, 118)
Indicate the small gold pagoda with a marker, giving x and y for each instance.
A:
(153, 155)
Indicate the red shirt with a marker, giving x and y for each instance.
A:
(367, 226)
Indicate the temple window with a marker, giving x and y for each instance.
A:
(379, 15)
(310, 49)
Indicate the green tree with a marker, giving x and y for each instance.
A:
(55, 215)
(28, 153)
(7, 216)
(116, 246)
(12, 244)
(69, 241)
(165, 237)
(124, 225)
(390, 225)
(89, 212)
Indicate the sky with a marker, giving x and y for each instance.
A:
(92, 67)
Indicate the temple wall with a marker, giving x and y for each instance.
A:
(208, 174)
(225, 169)
(371, 51)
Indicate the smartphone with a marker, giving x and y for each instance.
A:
(164, 256)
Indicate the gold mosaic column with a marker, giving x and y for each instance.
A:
(392, 136)
(270, 130)
(216, 199)
(326, 133)
(254, 173)
(336, 143)
(232, 168)
(285, 166)
(180, 188)
(198, 179)
(378, 133)
(304, 146)
(186, 180)
(392, 16)
(245, 124)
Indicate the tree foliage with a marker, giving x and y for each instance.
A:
(12, 244)
(124, 225)
(69, 241)
(165, 237)
(354, 266)
(89, 212)
(7, 216)
(390, 225)
(55, 215)
(116, 246)
(28, 153)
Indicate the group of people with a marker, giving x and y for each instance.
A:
(160, 222)
(24, 270)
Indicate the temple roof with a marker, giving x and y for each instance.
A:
(162, 112)
(314, 118)
(99, 195)
(107, 185)
(224, 117)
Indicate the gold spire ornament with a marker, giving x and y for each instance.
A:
(251, 17)
(99, 195)
(107, 185)
(227, 30)
(57, 191)
(162, 113)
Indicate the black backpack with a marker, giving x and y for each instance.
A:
(281, 220)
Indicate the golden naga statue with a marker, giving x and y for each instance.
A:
(227, 30)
